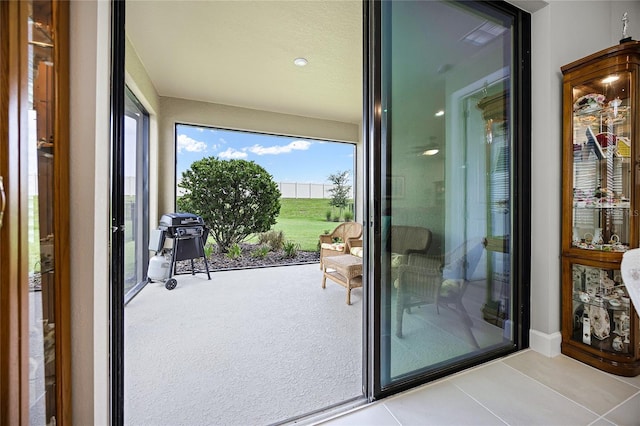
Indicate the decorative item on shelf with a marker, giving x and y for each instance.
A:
(600, 322)
(617, 344)
(597, 236)
(625, 25)
(592, 143)
(614, 104)
(589, 103)
(615, 112)
(584, 297)
(624, 147)
(606, 139)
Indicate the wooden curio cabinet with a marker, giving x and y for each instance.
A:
(600, 205)
(35, 345)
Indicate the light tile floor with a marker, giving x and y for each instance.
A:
(526, 388)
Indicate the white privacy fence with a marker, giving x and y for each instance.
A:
(287, 189)
(307, 190)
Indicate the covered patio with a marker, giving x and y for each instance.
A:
(252, 346)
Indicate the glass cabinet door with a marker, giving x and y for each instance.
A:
(601, 309)
(602, 164)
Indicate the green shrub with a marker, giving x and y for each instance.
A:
(328, 215)
(291, 249)
(274, 239)
(348, 216)
(234, 251)
(236, 198)
(261, 252)
(336, 218)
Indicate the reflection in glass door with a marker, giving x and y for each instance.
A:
(136, 196)
(40, 219)
(447, 225)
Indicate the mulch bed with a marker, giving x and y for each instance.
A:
(220, 261)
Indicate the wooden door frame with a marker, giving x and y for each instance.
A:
(14, 355)
(14, 291)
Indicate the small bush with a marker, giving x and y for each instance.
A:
(274, 239)
(327, 231)
(291, 249)
(234, 251)
(348, 216)
(261, 252)
(328, 215)
(336, 218)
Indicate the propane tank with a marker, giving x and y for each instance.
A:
(159, 267)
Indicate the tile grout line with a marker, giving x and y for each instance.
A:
(480, 403)
(551, 389)
(392, 415)
(622, 403)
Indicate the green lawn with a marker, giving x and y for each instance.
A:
(303, 220)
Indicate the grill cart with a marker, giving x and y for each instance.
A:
(189, 235)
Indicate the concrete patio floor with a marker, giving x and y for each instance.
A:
(253, 346)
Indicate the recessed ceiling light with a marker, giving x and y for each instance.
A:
(440, 113)
(431, 151)
(484, 33)
(301, 62)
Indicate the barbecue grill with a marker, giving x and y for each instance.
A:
(189, 234)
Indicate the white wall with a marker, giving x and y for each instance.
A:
(89, 211)
(562, 32)
(141, 86)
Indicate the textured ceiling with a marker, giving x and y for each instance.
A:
(241, 53)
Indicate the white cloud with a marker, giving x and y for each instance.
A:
(190, 145)
(298, 145)
(232, 154)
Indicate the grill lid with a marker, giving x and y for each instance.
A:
(172, 220)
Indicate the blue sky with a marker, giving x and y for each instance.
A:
(287, 159)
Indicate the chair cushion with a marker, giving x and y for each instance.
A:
(450, 288)
(397, 259)
(356, 251)
(333, 246)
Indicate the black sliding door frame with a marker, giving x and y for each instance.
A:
(378, 155)
(117, 259)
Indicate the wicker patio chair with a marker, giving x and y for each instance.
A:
(339, 241)
(439, 280)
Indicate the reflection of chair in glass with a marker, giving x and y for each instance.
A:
(404, 240)
(439, 280)
(339, 241)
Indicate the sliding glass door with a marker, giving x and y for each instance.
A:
(136, 195)
(447, 274)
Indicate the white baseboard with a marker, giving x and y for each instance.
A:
(545, 344)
